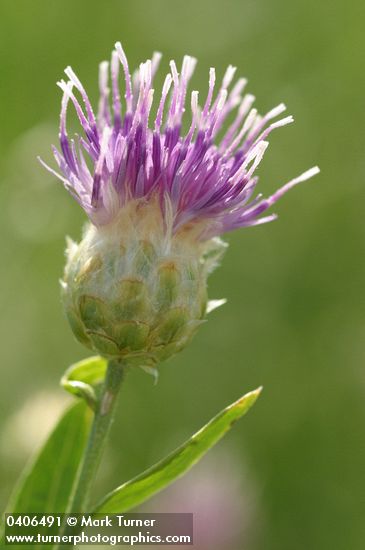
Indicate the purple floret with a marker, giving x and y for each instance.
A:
(205, 174)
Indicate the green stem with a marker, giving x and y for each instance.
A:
(104, 416)
(103, 419)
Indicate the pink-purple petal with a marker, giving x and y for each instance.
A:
(200, 178)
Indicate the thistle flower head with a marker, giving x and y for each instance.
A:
(158, 197)
(203, 176)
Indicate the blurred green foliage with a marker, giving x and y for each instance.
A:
(294, 321)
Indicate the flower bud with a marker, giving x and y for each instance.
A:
(132, 292)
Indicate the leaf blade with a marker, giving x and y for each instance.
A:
(83, 378)
(47, 482)
(156, 478)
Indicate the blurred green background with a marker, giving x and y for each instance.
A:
(294, 321)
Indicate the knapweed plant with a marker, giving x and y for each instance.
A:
(159, 190)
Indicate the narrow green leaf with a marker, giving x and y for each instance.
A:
(46, 484)
(83, 378)
(153, 480)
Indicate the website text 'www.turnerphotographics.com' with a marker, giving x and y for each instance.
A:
(111, 530)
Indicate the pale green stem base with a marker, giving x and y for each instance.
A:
(104, 416)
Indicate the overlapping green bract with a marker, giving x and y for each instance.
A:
(134, 298)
